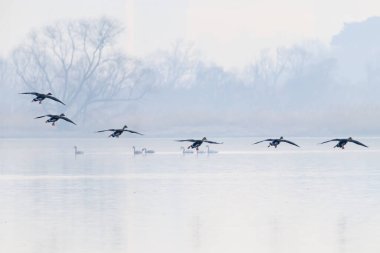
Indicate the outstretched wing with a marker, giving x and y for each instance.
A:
(48, 115)
(213, 142)
(330, 140)
(68, 120)
(132, 132)
(190, 140)
(55, 99)
(112, 130)
(292, 143)
(359, 143)
(31, 93)
(263, 141)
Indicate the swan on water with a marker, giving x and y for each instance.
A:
(136, 152)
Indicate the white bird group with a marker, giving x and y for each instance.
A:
(143, 151)
(208, 151)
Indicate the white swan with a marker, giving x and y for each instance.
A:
(147, 151)
(210, 151)
(78, 152)
(186, 151)
(136, 152)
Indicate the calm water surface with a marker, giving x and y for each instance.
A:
(243, 199)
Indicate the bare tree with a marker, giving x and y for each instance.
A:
(176, 67)
(274, 70)
(7, 79)
(77, 62)
(3, 69)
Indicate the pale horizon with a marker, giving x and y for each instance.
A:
(229, 34)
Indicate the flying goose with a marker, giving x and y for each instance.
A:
(55, 118)
(276, 142)
(197, 143)
(40, 97)
(342, 142)
(117, 132)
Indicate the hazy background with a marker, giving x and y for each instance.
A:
(192, 68)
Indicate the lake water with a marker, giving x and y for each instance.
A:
(243, 199)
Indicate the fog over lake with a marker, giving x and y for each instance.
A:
(244, 198)
(236, 72)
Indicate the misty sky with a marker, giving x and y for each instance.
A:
(230, 33)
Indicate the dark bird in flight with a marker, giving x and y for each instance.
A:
(276, 142)
(39, 97)
(342, 142)
(55, 118)
(117, 132)
(197, 143)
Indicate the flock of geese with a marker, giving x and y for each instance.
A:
(52, 118)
